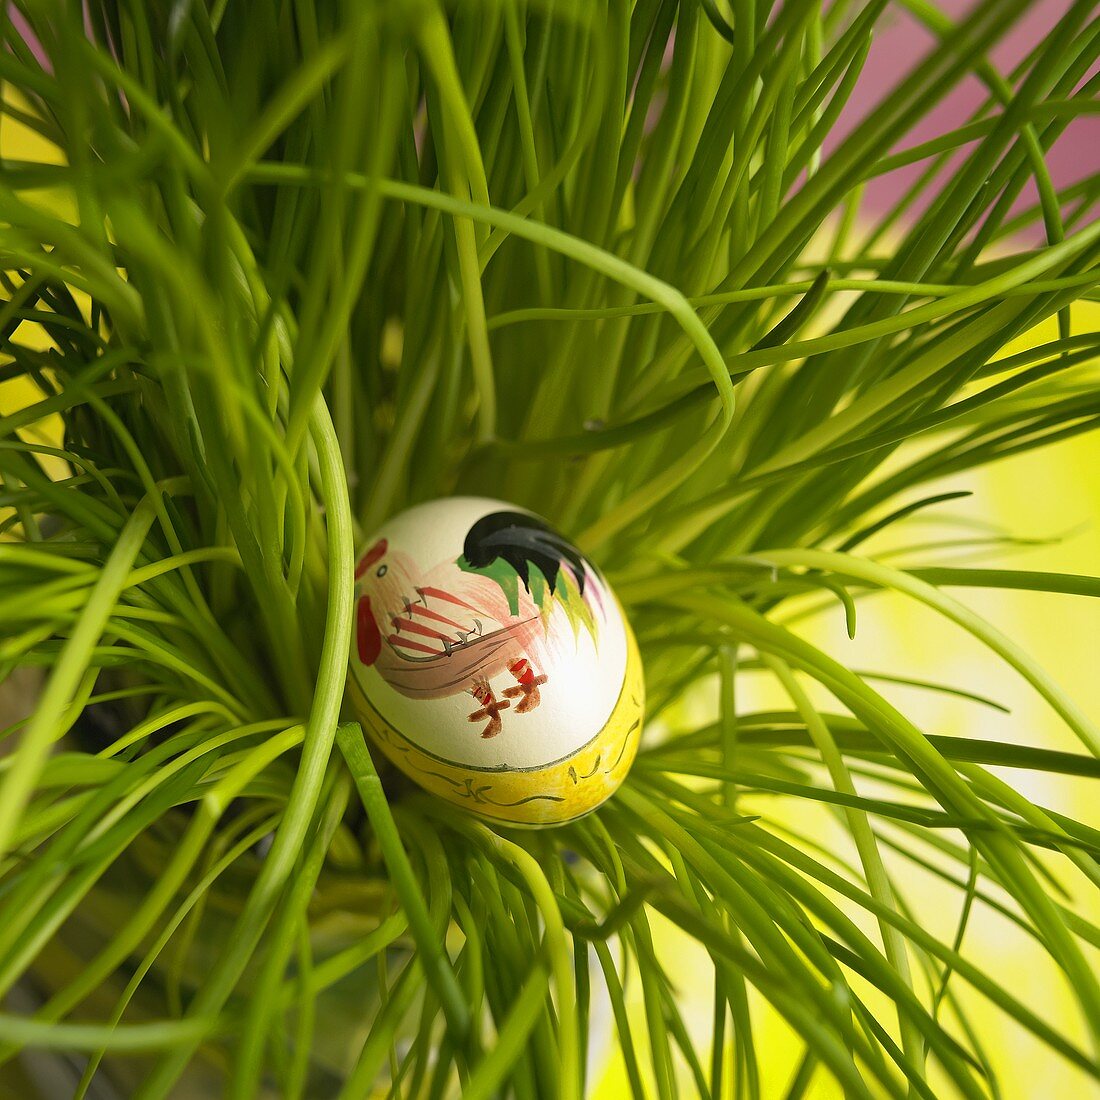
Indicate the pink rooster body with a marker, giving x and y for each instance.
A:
(436, 632)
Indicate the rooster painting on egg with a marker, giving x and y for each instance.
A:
(502, 609)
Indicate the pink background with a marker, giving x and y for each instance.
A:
(900, 40)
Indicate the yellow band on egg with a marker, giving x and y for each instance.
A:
(562, 791)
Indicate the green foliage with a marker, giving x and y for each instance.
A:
(285, 268)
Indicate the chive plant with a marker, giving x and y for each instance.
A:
(273, 271)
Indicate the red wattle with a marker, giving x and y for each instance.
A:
(368, 634)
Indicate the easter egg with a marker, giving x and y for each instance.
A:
(492, 663)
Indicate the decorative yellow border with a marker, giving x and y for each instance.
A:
(562, 791)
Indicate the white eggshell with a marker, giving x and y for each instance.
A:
(509, 684)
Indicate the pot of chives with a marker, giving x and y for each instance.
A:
(274, 273)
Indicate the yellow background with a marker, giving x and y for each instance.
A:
(1049, 493)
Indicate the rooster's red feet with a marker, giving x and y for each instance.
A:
(490, 708)
(529, 689)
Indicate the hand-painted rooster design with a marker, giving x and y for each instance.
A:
(458, 625)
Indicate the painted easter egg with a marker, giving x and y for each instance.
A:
(492, 663)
